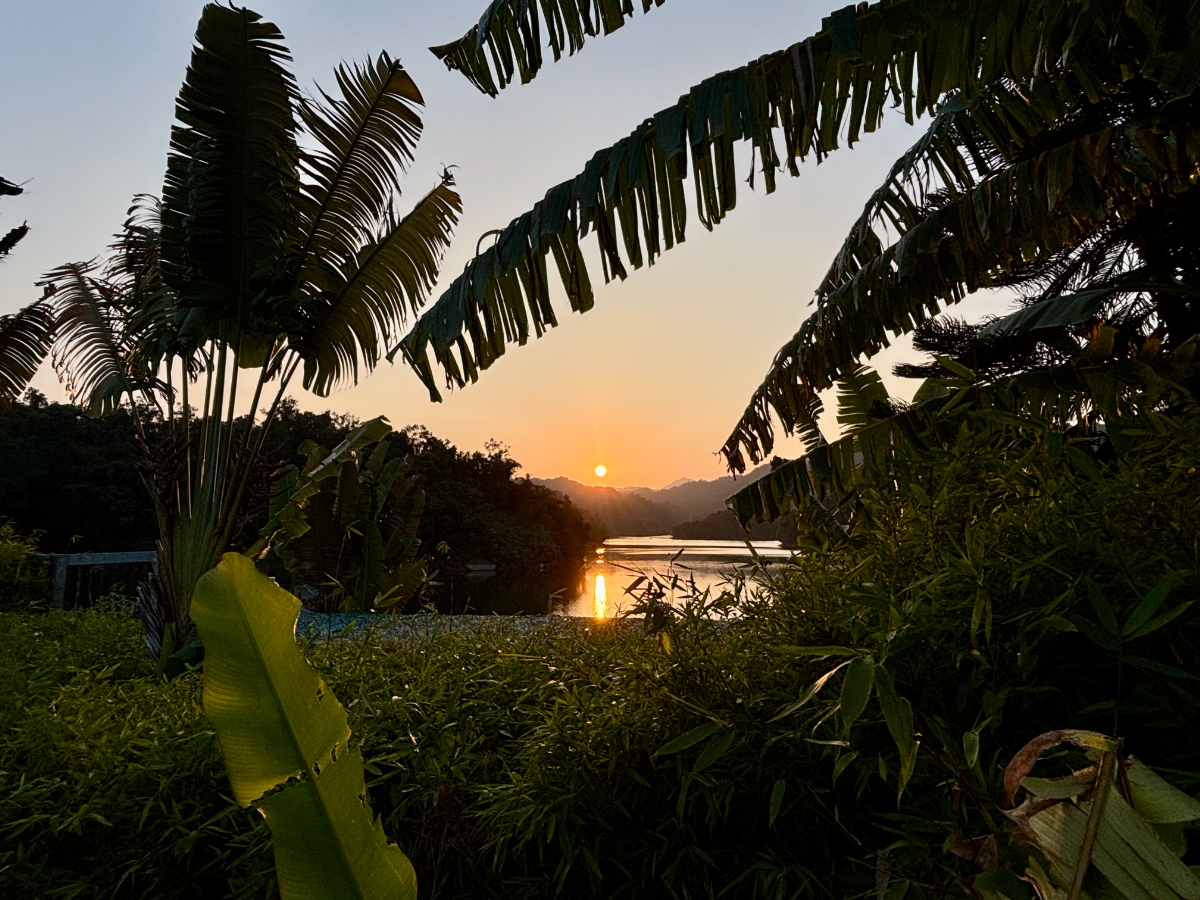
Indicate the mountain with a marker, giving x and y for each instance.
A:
(637, 512)
(697, 499)
(612, 512)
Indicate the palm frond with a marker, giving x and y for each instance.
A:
(836, 83)
(367, 300)
(511, 32)
(8, 189)
(25, 338)
(365, 140)
(89, 355)
(232, 170)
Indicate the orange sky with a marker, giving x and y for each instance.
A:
(648, 383)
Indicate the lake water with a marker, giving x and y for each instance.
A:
(601, 591)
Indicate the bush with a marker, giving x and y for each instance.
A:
(23, 577)
(713, 757)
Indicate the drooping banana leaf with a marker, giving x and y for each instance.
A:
(286, 743)
(836, 83)
(511, 32)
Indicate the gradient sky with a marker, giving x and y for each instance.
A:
(650, 382)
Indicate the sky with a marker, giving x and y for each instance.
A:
(650, 382)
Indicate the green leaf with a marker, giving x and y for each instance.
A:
(956, 368)
(1058, 623)
(856, 688)
(713, 751)
(689, 739)
(1148, 606)
(1097, 635)
(276, 720)
(971, 748)
(1086, 464)
(1150, 665)
(1104, 610)
(897, 712)
(1159, 621)
(776, 803)
(790, 650)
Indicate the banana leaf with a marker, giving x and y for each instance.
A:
(286, 743)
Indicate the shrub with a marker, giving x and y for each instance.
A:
(23, 577)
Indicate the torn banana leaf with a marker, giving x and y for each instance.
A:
(286, 743)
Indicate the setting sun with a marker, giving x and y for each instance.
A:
(601, 471)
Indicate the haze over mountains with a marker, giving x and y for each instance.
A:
(684, 508)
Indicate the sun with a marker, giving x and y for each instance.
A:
(601, 471)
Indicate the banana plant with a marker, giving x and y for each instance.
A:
(1057, 159)
(288, 265)
(357, 532)
(287, 745)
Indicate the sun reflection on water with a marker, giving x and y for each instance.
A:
(601, 597)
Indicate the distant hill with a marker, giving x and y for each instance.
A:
(637, 512)
(697, 499)
(722, 526)
(612, 512)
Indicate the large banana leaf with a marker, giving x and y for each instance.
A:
(837, 82)
(25, 338)
(286, 743)
(231, 174)
(1051, 200)
(511, 31)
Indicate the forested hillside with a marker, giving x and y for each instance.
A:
(76, 480)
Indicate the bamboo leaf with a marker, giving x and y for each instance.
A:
(776, 804)
(856, 688)
(689, 739)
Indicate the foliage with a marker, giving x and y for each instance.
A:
(511, 31)
(25, 339)
(26, 335)
(258, 256)
(277, 722)
(1113, 827)
(14, 235)
(476, 504)
(1058, 160)
(754, 744)
(110, 783)
(24, 580)
(357, 535)
(74, 478)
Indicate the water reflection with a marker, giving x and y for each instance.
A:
(600, 606)
(599, 589)
(602, 591)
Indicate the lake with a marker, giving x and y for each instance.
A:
(601, 591)
(598, 590)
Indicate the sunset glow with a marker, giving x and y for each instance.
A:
(601, 597)
(601, 471)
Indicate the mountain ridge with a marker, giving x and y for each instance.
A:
(641, 512)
